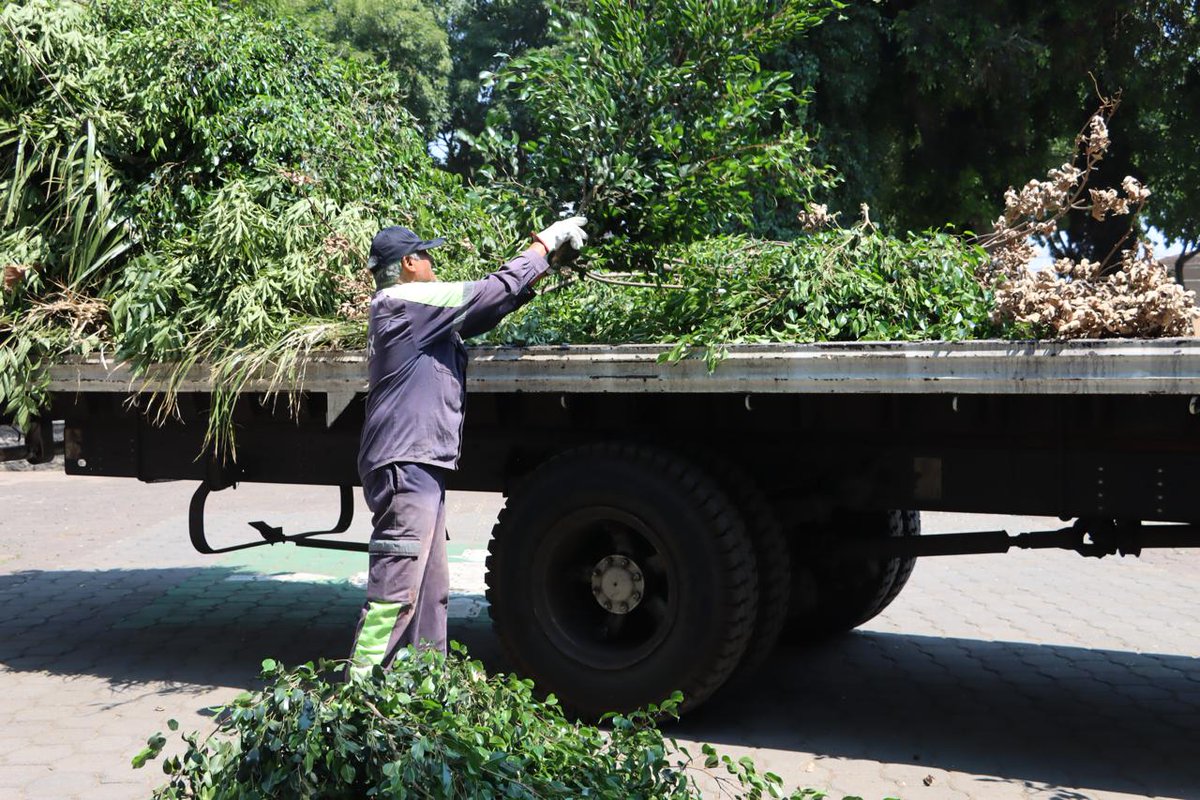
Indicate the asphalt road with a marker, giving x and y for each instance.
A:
(1035, 675)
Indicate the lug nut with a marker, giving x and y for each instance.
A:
(637, 597)
(622, 608)
(608, 604)
(624, 562)
(637, 577)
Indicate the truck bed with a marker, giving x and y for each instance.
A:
(1085, 428)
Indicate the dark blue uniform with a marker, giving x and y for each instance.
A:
(412, 435)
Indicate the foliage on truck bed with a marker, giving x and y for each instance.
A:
(182, 181)
(834, 285)
(194, 182)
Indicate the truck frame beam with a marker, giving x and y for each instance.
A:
(1091, 538)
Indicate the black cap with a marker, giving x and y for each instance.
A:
(394, 243)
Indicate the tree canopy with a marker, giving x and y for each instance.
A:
(484, 34)
(930, 108)
(655, 119)
(409, 36)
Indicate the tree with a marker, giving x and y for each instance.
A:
(410, 39)
(931, 108)
(1168, 129)
(656, 119)
(409, 36)
(484, 35)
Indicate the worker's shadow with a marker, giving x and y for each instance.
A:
(209, 626)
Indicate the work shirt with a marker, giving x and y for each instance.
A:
(417, 363)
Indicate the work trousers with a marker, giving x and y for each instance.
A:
(408, 585)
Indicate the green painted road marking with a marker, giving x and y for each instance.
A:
(269, 585)
(214, 597)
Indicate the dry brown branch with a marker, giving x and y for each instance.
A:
(1127, 293)
(355, 291)
(815, 217)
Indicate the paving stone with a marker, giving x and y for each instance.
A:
(63, 783)
(120, 791)
(14, 777)
(987, 787)
(42, 755)
(113, 744)
(48, 710)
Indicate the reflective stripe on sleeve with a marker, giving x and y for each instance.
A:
(431, 293)
(460, 317)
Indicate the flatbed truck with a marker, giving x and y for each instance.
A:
(666, 523)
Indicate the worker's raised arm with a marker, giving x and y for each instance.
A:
(469, 308)
(438, 309)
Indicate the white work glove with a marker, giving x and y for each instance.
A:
(564, 231)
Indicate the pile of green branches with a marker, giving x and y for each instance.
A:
(840, 284)
(187, 181)
(437, 727)
(184, 181)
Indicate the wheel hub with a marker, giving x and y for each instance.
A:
(617, 584)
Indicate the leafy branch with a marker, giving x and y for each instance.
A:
(436, 727)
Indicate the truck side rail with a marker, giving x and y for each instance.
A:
(1159, 366)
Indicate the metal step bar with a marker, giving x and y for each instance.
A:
(272, 534)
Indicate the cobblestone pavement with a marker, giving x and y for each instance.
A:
(1023, 676)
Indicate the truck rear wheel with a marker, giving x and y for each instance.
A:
(830, 594)
(773, 558)
(618, 574)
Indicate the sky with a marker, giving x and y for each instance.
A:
(1162, 249)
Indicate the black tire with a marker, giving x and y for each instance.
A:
(910, 525)
(832, 595)
(773, 558)
(684, 539)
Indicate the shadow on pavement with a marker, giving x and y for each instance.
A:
(1026, 713)
(1040, 715)
(190, 626)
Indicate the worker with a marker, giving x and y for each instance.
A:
(416, 363)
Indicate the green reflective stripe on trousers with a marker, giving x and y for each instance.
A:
(376, 630)
(407, 548)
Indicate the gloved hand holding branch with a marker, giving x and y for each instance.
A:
(563, 232)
